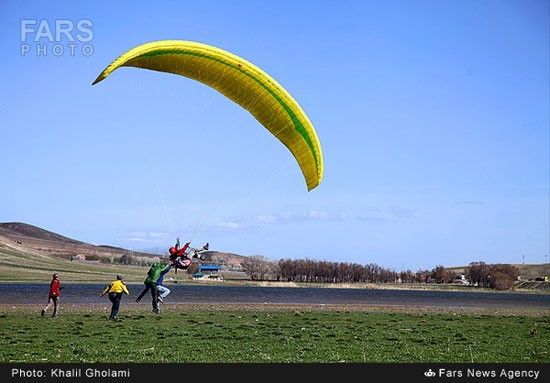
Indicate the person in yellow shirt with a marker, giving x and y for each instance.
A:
(115, 290)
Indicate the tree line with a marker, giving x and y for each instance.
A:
(259, 268)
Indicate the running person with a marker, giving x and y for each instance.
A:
(151, 283)
(115, 290)
(53, 296)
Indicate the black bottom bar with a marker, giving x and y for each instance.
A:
(406, 372)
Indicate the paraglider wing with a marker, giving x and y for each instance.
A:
(243, 83)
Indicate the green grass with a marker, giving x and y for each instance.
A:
(182, 334)
(17, 266)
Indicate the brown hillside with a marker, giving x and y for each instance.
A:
(30, 239)
(17, 229)
(34, 240)
(231, 261)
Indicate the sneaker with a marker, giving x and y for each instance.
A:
(43, 312)
(156, 311)
(137, 300)
(160, 299)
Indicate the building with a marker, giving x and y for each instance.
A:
(208, 272)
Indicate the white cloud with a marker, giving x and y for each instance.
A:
(300, 216)
(470, 203)
(401, 212)
(146, 234)
(144, 240)
(229, 225)
(266, 219)
(384, 215)
(373, 219)
(153, 237)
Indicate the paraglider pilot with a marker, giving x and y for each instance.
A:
(182, 258)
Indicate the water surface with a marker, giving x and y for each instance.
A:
(89, 294)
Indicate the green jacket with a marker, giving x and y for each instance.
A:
(154, 272)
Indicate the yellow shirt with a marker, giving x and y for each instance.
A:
(116, 287)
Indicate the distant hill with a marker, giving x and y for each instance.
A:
(35, 239)
(230, 260)
(30, 231)
(32, 239)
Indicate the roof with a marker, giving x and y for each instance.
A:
(209, 267)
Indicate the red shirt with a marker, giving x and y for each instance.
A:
(181, 252)
(54, 288)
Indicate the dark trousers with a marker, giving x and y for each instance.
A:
(55, 301)
(154, 294)
(147, 288)
(115, 299)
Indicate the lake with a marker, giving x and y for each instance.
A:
(89, 294)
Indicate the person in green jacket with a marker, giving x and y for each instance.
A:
(151, 283)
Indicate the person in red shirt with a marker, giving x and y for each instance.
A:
(182, 258)
(175, 251)
(54, 295)
(178, 256)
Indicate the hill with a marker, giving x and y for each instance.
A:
(22, 230)
(28, 237)
(229, 260)
(30, 253)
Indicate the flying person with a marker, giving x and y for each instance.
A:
(182, 258)
(53, 296)
(115, 290)
(176, 252)
(178, 256)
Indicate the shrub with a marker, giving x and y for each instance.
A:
(501, 281)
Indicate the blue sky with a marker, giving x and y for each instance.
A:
(433, 118)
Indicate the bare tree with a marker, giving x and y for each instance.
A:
(258, 268)
(442, 275)
(478, 273)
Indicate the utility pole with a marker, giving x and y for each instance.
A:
(523, 259)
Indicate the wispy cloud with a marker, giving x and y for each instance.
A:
(381, 215)
(148, 237)
(143, 240)
(373, 219)
(401, 212)
(148, 234)
(229, 225)
(234, 224)
(287, 217)
(470, 203)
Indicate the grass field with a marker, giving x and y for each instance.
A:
(270, 334)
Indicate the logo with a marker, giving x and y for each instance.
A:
(56, 38)
(429, 373)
